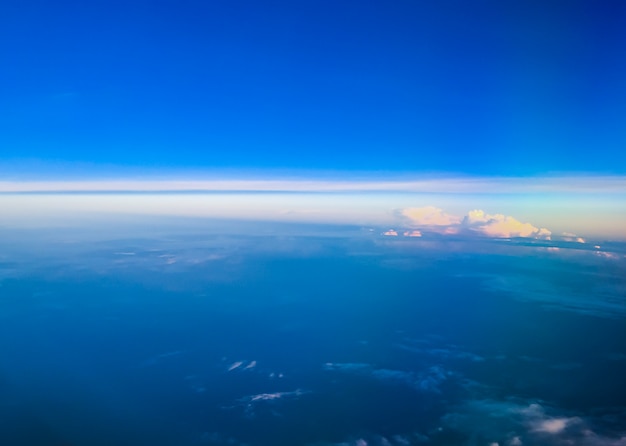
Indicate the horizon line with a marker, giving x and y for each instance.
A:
(452, 184)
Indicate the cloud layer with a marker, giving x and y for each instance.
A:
(478, 222)
(211, 182)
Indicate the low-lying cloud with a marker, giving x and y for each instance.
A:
(519, 423)
(476, 222)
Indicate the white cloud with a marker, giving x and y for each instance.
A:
(250, 366)
(241, 365)
(430, 218)
(235, 365)
(553, 426)
(391, 233)
(271, 396)
(515, 423)
(570, 237)
(413, 233)
(501, 226)
(251, 403)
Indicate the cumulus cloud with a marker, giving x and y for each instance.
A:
(477, 222)
(428, 216)
(501, 226)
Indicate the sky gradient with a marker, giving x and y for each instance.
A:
(484, 88)
(508, 107)
(313, 222)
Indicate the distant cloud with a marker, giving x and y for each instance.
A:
(391, 233)
(428, 216)
(569, 237)
(273, 396)
(432, 219)
(250, 403)
(501, 226)
(413, 233)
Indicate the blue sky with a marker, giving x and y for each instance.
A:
(479, 88)
(504, 106)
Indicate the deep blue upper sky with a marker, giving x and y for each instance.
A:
(480, 87)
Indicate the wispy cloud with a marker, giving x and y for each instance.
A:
(241, 365)
(427, 380)
(252, 403)
(441, 184)
(517, 423)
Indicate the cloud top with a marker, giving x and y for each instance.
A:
(501, 226)
(429, 216)
(477, 222)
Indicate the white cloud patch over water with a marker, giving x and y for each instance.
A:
(253, 403)
(517, 423)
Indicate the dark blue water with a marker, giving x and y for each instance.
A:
(297, 340)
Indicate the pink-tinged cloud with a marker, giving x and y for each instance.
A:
(552, 426)
(428, 216)
(502, 226)
(413, 233)
(391, 233)
(432, 219)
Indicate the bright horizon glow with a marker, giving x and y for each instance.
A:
(458, 185)
(598, 216)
